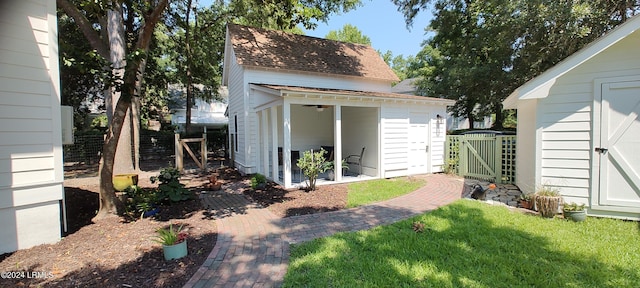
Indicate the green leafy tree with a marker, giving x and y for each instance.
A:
(82, 72)
(286, 15)
(103, 24)
(488, 48)
(349, 34)
(197, 40)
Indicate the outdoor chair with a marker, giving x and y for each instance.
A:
(356, 160)
(329, 155)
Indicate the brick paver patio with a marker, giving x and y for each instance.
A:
(252, 249)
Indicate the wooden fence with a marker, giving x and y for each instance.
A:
(482, 156)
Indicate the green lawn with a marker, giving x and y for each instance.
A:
(472, 244)
(367, 192)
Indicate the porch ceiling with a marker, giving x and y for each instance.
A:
(349, 94)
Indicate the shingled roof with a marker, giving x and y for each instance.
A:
(257, 47)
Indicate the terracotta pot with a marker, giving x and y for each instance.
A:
(215, 186)
(526, 204)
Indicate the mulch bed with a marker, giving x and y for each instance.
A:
(293, 202)
(117, 253)
(112, 252)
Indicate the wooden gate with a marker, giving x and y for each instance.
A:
(182, 145)
(482, 156)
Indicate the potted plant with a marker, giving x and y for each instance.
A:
(575, 212)
(329, 166)
(547, 201)
(174, 242)
(526, 200)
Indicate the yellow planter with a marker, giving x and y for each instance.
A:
(122, 181)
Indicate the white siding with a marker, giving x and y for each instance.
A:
(30, 130)
(395, 141)
(236, 108)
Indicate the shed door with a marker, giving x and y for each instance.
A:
(419, 143)
(619, 177)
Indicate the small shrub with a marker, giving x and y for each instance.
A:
(258, 180)
(170, 187)
(139, 201)
(312, 164)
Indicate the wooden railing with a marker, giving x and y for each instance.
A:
(183, 144)
(482, 156)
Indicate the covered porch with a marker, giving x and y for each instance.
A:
(291, 120)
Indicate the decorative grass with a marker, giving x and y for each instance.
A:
(367, 192)
(472, 244)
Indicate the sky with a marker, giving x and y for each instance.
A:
(383, 24)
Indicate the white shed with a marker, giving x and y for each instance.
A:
(31, 169)
(291, 93)
(578, 125)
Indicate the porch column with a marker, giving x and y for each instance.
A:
(286, 149)
(274, 143)
(264, 128)
(337, 138)
(259, 140)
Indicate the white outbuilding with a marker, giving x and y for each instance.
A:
(291, 93)
(578, 126)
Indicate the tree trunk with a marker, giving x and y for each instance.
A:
(187, 41)
(110, 205)
(124, 161)
(471, 120)
(499, 117)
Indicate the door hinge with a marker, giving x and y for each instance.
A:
(601, 150)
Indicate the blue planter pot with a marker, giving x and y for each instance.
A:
(151, 212)
(175, 251)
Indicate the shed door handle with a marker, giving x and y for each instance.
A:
(601, 150)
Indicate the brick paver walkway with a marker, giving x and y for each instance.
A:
(252, 249)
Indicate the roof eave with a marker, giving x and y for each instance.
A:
(284, 92)
(248, 66)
